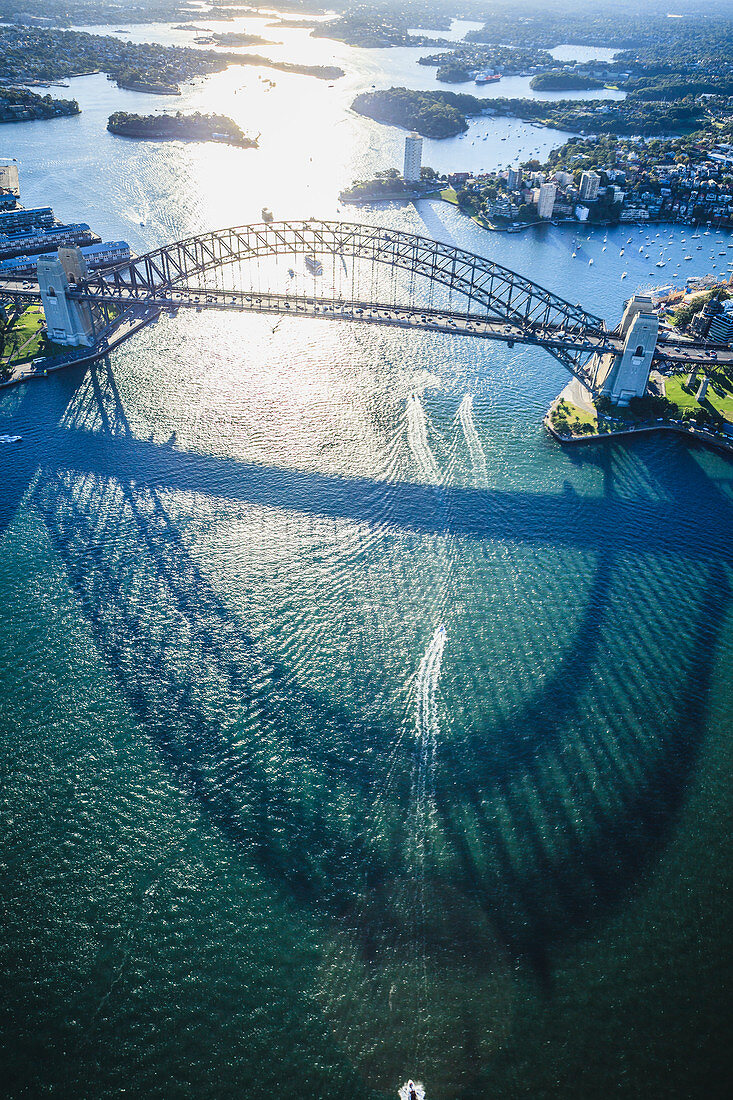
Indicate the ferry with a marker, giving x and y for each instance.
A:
(486, 78)
(314, 265)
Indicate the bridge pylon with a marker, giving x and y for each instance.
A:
(626, 375)
(68, 322)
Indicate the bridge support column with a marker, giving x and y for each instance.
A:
(68, 322)
(629, 374)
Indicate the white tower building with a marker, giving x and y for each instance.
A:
(413, 158)
(546, 200)
(589, 184)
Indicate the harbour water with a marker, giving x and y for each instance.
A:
(351, 729)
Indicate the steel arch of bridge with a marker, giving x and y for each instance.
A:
(491, 292)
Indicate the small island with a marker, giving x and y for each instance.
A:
(432, 114)
(179, 127)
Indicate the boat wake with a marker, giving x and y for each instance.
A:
(417, 437)
(427, 730)
(475, 450)
(426, 721)
(404, 1090)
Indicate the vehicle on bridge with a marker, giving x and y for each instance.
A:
(376, 275)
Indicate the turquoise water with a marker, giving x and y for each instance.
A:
(351, 729)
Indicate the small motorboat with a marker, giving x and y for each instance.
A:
(10, 438)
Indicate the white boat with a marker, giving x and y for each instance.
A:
(661, 263)
(624, 274)
(10, 438)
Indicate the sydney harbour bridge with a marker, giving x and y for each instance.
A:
(352, 272)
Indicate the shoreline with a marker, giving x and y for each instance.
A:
(91, 356)
(698, 435)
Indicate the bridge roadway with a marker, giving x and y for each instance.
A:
(671, 351)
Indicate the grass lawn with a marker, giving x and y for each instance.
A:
(722, 404)
(576, 416)
(449, 195)
(25, 341)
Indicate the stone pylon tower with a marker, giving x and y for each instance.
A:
(68, 322)
(629, 373)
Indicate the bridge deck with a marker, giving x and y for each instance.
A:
(423, 277)
(676, 352)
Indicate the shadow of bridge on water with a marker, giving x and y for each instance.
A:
(540, 826)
